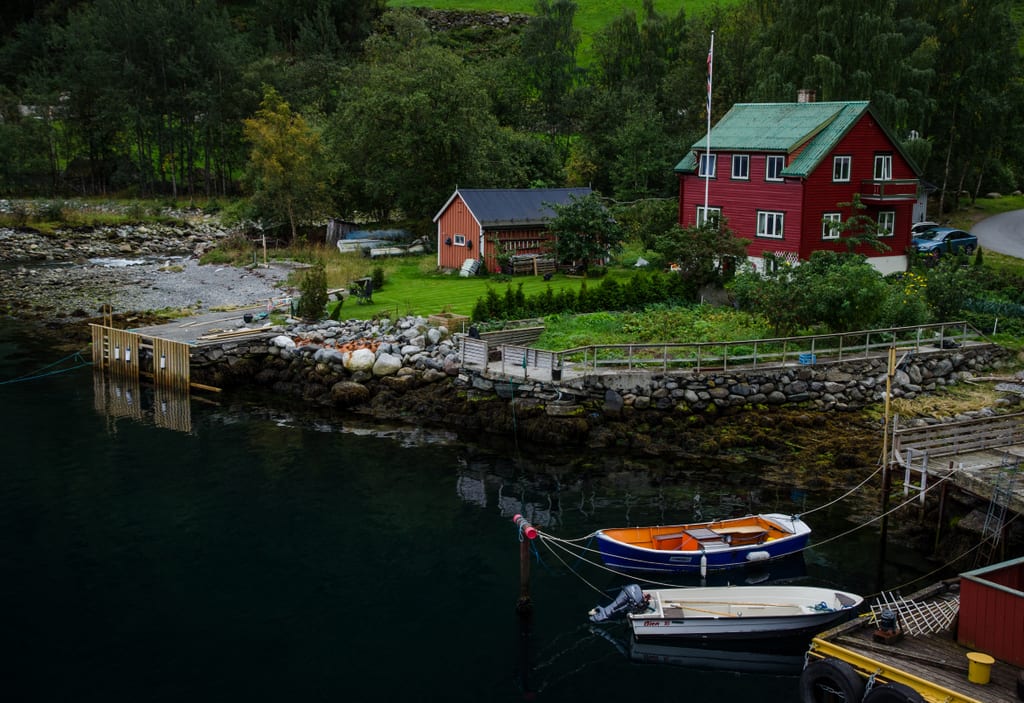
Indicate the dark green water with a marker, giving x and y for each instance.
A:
(263, 556)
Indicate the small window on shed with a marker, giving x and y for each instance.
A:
(460, 240)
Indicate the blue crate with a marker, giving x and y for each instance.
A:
(808, 358)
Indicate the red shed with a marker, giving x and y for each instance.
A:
(784, 174)
(481, 223)
(992, 611)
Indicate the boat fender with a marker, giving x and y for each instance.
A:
(830, 675)
(893, 693)
(759, 555)
(631, 598)
(703, 565)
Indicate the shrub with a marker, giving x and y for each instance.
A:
(314, 293)
(378, 277)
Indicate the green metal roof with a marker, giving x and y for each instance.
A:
(782, 128)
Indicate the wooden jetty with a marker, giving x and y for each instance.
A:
(981, 456)
(921, 653)
(165, 350)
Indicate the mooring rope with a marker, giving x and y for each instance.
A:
(875, 519)
(560, 543)
(844, 496)
(578, 550)
(37, 374)
(937, 569)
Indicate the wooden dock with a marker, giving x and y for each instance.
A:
(932, 664)
(981, 456)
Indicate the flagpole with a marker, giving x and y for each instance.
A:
(707, 158)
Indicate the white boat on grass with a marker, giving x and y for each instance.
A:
(724, 613)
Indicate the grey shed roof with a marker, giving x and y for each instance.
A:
(518, 207)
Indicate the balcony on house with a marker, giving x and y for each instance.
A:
(875, 191)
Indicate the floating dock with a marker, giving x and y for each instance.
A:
(918, 653)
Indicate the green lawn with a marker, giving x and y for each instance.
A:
(411, 287)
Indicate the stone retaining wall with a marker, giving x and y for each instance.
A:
(345, 364)
(843, 385)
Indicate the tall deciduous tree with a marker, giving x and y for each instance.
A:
(409, 128)
(979, 81)
(549, 52)
(848, 50)
(584, 231)
(284, 164)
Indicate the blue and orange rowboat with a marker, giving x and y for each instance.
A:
(703, 546)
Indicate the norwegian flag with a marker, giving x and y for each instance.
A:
(711, 56)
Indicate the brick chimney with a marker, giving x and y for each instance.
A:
(805, 95)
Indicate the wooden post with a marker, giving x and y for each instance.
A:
(942, 513)
(527, 532)
(886, 473)
(524, 606)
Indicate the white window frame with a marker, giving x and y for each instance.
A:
(830, 225)
(459, 240)
(707, 160)
(774, 159)
(883, 167)
(770, 224)
(715, 212)
(887, 221)
(741, 167)
(841, 167)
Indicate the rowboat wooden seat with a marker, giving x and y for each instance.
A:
(737, 539)
(703, 535)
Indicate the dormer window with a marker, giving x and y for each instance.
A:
(707, 165)
(741, 167)
(841, 169)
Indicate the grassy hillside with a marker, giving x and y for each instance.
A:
(591, 15)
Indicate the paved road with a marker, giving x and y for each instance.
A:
(1003, 233)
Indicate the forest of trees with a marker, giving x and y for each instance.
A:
(180, 98)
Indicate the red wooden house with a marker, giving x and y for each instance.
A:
(483, 223)
(780, 173)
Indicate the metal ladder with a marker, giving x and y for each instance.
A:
(995, 518)
(922, 469)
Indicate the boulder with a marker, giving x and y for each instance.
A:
(387, 365)
(359, 360)
(345, 394)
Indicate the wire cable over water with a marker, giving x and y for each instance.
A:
(43, 372)
(584, 553)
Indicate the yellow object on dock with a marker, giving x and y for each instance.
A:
(979, 667)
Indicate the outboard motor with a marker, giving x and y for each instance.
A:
(630, 598)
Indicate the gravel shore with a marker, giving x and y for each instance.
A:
(51, 282)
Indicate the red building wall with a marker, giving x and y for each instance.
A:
(740, 201)
(992, 611)
(457, 219)
(821, 194)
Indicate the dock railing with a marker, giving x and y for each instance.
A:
(700, 357)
